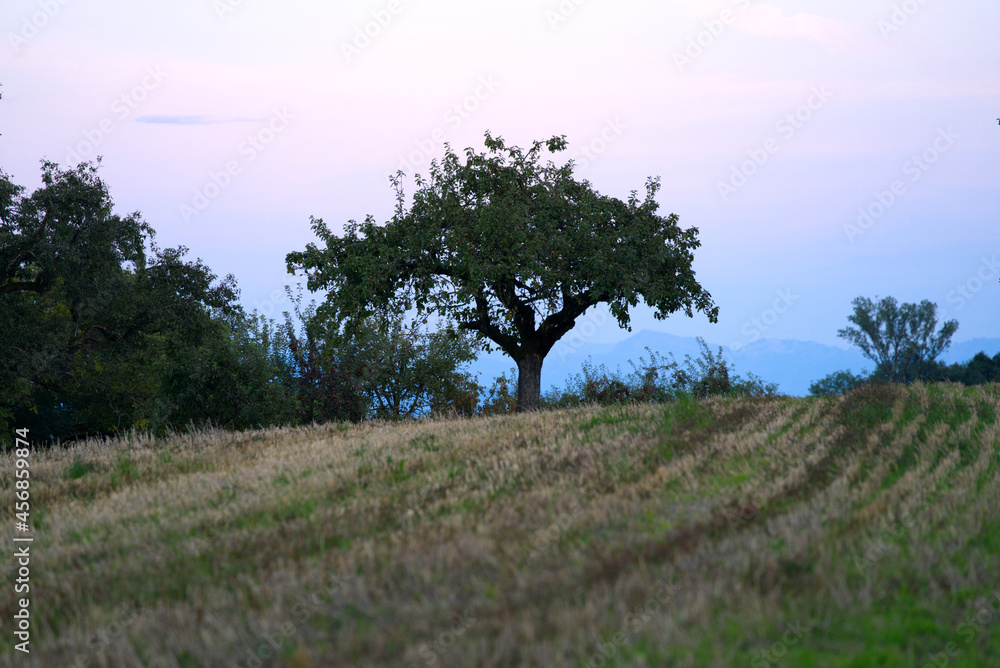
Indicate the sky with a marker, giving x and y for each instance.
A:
(824, 150)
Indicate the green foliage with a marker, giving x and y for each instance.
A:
(499, 398)
(414, 371)
(659, 379)
(899, 338)
(379, 369)
(102, 331)
(836, 384)
(78, 468)
(509, 249)
(979, 370)
(325, 379)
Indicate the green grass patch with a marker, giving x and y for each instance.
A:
(686, 413)
(426, 442)
(865, 408)
(610, 415)
(78, 468)
(124, 470)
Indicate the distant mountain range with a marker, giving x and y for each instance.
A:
(792, 364)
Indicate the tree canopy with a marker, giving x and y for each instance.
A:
(511, 250)
(899, 338)
(100, 329)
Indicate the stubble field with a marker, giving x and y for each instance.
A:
(857, 531)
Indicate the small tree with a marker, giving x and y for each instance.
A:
(899, 338)
(382, 368)
(415, 372)
(511, 250)
(325, 377)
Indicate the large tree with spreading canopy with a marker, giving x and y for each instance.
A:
(510, 249)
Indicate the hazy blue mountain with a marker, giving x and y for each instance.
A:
(793, 364)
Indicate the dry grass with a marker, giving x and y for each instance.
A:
(691, 534)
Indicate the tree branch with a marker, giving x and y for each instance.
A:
(37, 285)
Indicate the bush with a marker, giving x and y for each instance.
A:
(836, 384)
(658, 379)
(499, 399)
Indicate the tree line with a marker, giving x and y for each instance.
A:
(102, 331)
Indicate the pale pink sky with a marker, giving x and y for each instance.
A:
(311, 119)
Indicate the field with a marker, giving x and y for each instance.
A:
(857, 531)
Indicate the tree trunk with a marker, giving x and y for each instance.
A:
(529, 382)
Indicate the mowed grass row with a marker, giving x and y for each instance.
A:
(856, 531)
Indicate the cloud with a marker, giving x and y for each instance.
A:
(769, 21)
(194, 120)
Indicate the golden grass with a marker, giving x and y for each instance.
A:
(691, 531)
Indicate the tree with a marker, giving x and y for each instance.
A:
(977, 371)
(102, 331)
(61, 286)
(326, 377)
(511, 250)
(413, 372)
(382, 369)
(899, 338)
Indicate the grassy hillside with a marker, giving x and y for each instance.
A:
(859, 531)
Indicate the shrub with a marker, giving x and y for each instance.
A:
(499, 399)
(658, 379)
(836, 384)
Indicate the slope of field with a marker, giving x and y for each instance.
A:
(858, 531)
